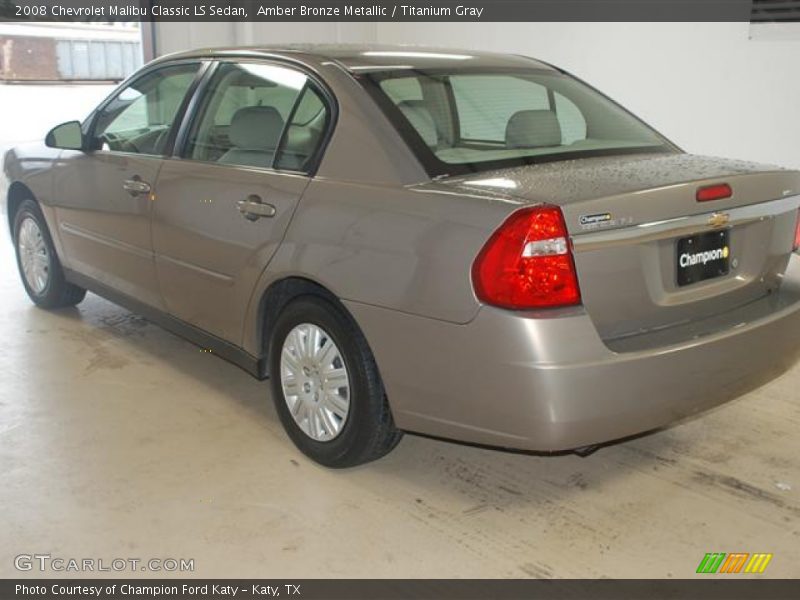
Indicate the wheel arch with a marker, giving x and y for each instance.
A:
(279, 294)
(17, 194)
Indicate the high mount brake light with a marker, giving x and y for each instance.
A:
(714, 192)
(527, 263)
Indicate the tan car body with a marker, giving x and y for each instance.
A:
(370, 228)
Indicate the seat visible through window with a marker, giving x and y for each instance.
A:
(259, 115)
(533, 129)
(254, 133)
(421, 119)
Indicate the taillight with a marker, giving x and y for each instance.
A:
(527, 263)
(797, 232)
(714, 192)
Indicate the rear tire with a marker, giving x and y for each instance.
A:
(37, 261)
(326, 386)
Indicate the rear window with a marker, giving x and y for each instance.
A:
(459, 121)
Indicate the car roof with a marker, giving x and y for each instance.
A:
(371, 57)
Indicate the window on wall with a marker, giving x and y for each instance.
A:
(764, 11)
(259, 115)
(775, 20)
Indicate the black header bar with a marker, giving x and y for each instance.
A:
(376, 10)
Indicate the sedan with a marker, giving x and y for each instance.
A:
(472, 246)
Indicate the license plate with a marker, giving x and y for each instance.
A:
(703, 256)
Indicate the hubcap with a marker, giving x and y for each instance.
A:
(33, 255)
(315, 382)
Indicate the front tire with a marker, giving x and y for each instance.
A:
(37, 261)
(326, 386)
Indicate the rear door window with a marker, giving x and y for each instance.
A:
(305, 131)
(259, 115)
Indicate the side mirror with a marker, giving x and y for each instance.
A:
(67, 136)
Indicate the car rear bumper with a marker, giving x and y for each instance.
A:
(547, 382)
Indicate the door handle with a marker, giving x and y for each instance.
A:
(135, 186)
(253, 208)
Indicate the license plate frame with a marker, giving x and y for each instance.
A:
(703, 256)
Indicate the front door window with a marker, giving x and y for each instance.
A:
(139, 119)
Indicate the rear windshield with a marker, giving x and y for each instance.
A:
(461, 121)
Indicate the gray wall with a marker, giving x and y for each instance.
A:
(173, 37)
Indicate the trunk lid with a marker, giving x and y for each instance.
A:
(627, 216)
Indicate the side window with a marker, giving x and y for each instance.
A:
(402, 89)
(304, 133)
(407, 95)
(486, 103)
(140, 117)
(245, 114)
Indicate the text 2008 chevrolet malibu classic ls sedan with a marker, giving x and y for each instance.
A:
(472, 246)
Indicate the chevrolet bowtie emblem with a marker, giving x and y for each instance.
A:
(719, 219)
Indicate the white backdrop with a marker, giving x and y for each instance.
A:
(707, 86)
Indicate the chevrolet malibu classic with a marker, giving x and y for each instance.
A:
(472, 246)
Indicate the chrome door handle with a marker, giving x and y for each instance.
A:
(253, 208)
(135, 186)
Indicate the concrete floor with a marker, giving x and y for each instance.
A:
(119, 440)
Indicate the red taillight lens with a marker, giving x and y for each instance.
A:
(527, 263)
(714, 192)
(797, 232)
